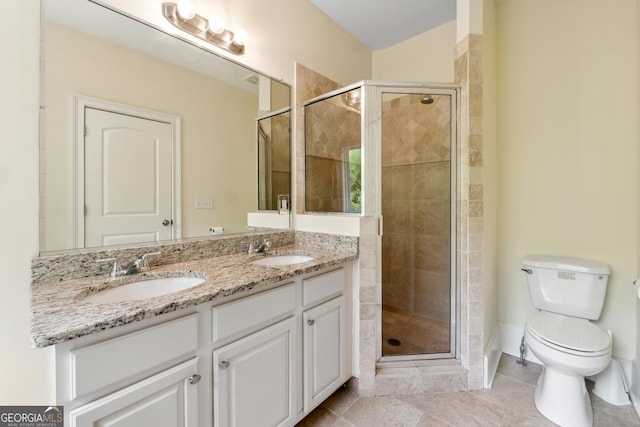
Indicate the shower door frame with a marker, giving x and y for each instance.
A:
(372, 92)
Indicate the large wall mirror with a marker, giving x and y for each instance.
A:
(147, 137)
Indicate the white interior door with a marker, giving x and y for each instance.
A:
(128, 179)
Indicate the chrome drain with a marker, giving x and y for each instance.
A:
(394, 342)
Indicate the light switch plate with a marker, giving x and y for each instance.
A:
(204, 203)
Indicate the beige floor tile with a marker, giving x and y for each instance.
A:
(381, 412)
(498, 393)
(459, 409)
(319, 417)
(606, 419)
(625, 412)
(431, 421)
(528, 374)
(340, 401)
(510, 403)
(514, 420)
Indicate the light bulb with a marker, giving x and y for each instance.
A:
(186, 9)
(240, 37)
(216, 25)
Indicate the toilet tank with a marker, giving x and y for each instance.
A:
(570, 286)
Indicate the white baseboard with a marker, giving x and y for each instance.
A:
(511, 337)
(634, 384)
(492, 354)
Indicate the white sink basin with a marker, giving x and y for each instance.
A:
(283, 260)
(144, 289)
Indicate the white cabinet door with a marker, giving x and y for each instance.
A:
(254, 379)
(167, 399)
(324, 351)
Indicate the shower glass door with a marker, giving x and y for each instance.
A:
(418, 206)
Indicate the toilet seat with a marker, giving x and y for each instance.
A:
(568, 334)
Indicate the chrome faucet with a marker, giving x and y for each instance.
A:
(263, 247)
(259, 247)
(115, 269)
(139, 265)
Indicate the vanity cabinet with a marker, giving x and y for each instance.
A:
(254, 378)
(145, 377)
(168, 399)
(292, 350)
(324, 337)
(324, 351)
(266, 358)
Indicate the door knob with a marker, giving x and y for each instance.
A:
(223, 365)
(310, 322)
(194, 379)
(167, 222)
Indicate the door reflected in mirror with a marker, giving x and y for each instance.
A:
(92, 51)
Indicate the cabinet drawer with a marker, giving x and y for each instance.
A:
(323, 286)
(252, 312)
(100, 365)
(167, 397)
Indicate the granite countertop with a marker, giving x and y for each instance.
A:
(59, 314)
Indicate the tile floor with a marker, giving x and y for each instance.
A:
(508, 403)
(413, 335)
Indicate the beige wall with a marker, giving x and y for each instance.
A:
(635, 372)
(568, 147)
(26, 373)
(215, 144)
(427, 57)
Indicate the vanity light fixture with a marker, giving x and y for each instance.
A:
(183, 16)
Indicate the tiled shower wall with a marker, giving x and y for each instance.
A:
(281, 162)
(408, 380)
(331, 127)
(308, 85)
(416, 205)
(470, 271)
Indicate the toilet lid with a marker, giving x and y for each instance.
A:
(569, 333)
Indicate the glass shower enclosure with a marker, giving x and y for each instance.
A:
(388, 149)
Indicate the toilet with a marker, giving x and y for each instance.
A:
(569, 293)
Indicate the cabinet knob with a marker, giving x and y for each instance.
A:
(223, 365)
(194, 379)
(310, 322)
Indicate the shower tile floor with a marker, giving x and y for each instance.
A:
(508, 403)
(412, 335)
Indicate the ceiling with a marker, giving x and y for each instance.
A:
(379, 24)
